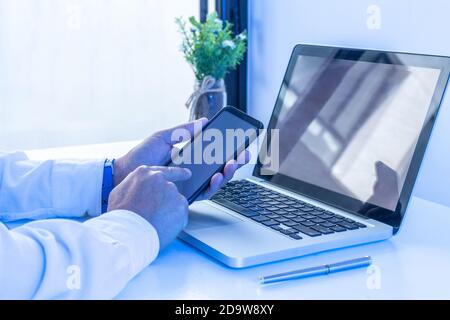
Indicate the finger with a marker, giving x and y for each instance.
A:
(219, 180)
(215, 184)
(173, 173)
(229, 169)
(192, 128)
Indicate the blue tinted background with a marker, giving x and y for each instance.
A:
(412, 26)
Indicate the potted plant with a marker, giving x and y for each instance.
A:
(212, 51)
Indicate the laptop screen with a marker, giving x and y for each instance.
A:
(349, 122)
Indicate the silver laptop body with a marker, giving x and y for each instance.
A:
(354, 125)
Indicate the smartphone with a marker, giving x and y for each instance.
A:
(208, 152)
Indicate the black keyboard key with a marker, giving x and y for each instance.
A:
(306, 209)
(298, 219)
(290, 223)
(264, 212)
(248, 213)
(327, 224)
(277, 227)
(288, 231)
(273, 216)
(282, 206)
(282, 219)
(307, 216)
(232, 206)
(322, 229)
(317, 220)
(260, 218)
(307, 223)
(270, 223)
(272, 208)
(338, 229)
(335, 220)
(308, 231)
(295, 236)
(290, 216)
(325, 216)
(349, 226)
(361, 225)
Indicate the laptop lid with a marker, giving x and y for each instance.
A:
(353, 127)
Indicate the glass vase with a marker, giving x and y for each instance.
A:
(212, 97)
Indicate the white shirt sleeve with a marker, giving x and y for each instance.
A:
(60, 258)
(48, 189)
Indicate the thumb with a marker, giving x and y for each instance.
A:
(173, 173)
(182, 132)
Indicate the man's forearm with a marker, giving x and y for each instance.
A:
(64, 259)
(45, 189)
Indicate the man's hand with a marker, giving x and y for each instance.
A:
(150, 192)
(157, 149)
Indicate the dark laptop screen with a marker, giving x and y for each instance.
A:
(350, 122)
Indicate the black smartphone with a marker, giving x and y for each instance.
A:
(209, 151)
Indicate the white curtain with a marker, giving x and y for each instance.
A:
(90, 71)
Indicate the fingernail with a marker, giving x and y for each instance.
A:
(188, 172)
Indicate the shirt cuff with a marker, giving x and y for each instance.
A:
(77, 186)
(132, 231)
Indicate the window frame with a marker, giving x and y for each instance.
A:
(236, 12)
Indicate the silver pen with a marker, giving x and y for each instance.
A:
(319, 270)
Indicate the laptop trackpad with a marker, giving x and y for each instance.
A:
(203, 215)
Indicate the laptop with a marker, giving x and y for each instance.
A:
(352, 128)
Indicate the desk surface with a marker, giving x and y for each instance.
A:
(414, 264)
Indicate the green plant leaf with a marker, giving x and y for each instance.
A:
(210, 47)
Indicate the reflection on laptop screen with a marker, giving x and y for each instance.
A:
(352, 126)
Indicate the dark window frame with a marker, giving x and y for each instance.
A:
(236, 12)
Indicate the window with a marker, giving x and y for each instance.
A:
(90, 71)
(236, 12)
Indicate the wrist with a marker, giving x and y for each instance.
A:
(119, 172)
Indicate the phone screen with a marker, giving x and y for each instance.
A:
(223, 138)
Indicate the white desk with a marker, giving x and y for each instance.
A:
(414, 264)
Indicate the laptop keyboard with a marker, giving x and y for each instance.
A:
(289, 216)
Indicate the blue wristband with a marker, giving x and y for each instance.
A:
(108, 183)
